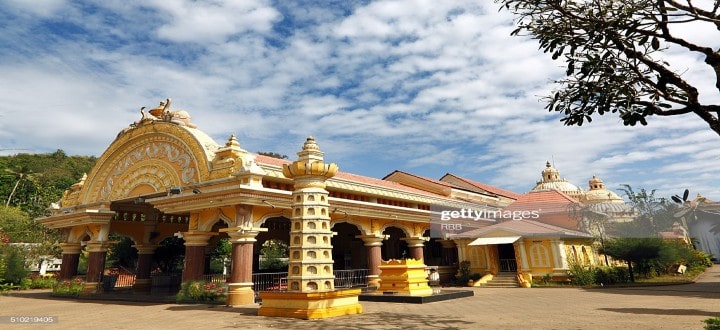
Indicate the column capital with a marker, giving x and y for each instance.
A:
(145, 248)
(372, 239)
(415, 241)
(462, 242)
(70, 248)
(243, 234)
(197, 238)
(98, 246)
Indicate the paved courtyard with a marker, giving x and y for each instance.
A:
(661, 307)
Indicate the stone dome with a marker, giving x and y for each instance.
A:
(551, 181)
(599, 194)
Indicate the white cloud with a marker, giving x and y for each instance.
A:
(426, 86)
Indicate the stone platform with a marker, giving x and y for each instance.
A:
(408, 299)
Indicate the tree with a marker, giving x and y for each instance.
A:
(616, 56)
(272, 154)
(653, 214)
(633, 251)
(274, 254)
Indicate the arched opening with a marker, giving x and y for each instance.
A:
(348, 251)
(394, 247)
(278, 234)
(433, 251)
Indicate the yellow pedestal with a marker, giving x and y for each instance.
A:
(91, 288)
(407, 277)
(310, 305)
(240, 294)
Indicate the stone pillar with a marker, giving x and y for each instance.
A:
(520, 251)
(143, 283)
(559, 255)
(240, 285)
(415, 245)
(311, 290)
(373, 244)
(96, 266)
(462, 248)
(195, 243)
(70, 259)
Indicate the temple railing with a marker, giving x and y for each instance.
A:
(508, 265)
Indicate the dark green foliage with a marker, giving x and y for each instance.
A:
(650, 257)
(274, 254)
(611, 275)
(33, 181)
(712, 323)
(614, 52)
(38, 282)
(15, 270)
(581, 275)
(272, 154)
(121, 253)
(463, 273)
(220, 255)
(169, 255)
(200, 291)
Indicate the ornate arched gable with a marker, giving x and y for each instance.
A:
(148, 159)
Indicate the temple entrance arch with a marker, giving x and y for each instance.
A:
(349, 251)
(394, 247)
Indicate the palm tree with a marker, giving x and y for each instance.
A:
(22, 172)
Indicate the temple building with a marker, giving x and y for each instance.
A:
(555, 224)
(164, 178)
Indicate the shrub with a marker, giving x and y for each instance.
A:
(581, 275)
(612, 275)
(15, 270)
(464, 273)
(712, 323)
(69, 287)
(546, 278)
(200, 291)
(38, 282)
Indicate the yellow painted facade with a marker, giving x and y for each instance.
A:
(163, 177)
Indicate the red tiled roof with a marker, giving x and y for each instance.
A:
(547, 201)
(486, 187)
(445, 184)
(526, 228)
(352, 177)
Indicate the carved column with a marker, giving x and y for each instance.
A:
(415, 245)
(462, 244)
(240, 285)
(373, 244)
(96, 266)
(70, 259)
(195, 243)
(143, 283)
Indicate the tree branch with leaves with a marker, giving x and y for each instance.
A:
(616, 56)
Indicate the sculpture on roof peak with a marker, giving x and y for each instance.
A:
(161, 113)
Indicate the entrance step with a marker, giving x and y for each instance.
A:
(503, 281)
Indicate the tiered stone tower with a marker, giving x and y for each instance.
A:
(310, 268)
(311, 291)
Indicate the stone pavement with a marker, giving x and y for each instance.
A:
(659, 307)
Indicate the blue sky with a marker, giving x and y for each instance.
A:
(427, 87)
